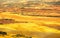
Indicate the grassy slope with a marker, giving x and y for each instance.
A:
(35, 24)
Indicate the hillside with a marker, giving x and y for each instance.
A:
(29, 19)
(30, 24)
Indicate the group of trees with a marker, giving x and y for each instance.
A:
(53, 3)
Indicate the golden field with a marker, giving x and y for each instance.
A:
(36, 27)
(29, 19)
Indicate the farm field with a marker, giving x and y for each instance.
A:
(29, 19)
(31, 24)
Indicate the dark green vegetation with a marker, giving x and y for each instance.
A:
(20, 35)
(53, 3)
(3, 33)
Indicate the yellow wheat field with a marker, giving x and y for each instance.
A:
(37, 27)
